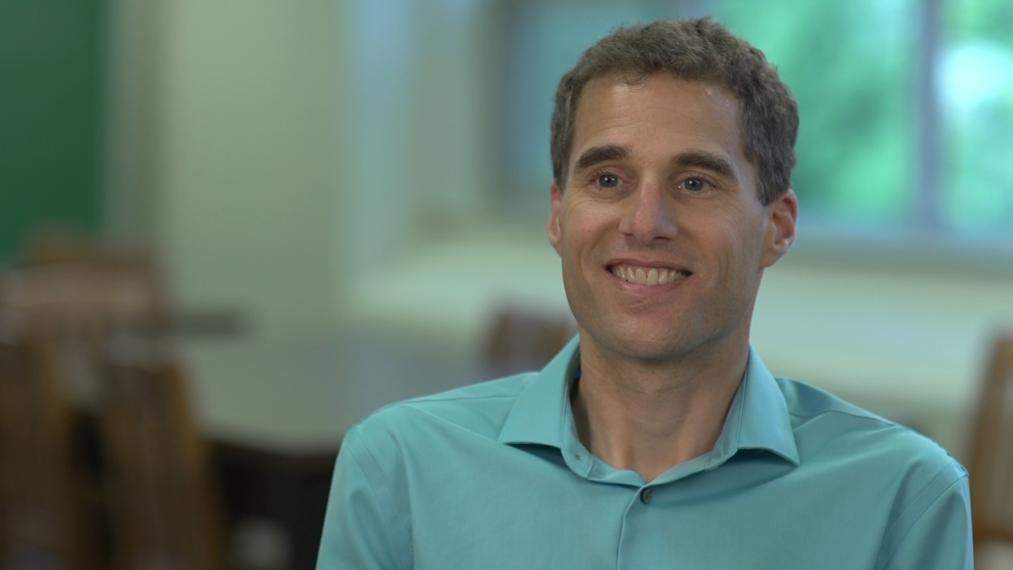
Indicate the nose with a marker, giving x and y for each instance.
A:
(649, 214)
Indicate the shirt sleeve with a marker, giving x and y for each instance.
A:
(939, 538)
(361, 519)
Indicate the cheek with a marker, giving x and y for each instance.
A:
(739, 250)
(582, 227)
(749, 256)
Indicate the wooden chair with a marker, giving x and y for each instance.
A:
(47, 517)
(75, 307)
(522, 339)
(64, 248)
(991, 460)
(155, 486)
(163, 504)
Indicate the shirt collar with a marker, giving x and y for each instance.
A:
(542, 408)
(757, 419)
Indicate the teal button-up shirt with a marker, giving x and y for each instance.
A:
(493, 476)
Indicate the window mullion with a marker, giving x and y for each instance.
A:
(927, 130)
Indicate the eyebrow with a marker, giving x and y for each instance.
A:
(692, 158)
(598, 154)
(707, 160)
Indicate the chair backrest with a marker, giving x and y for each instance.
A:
(523, 339)
(82, 299)
(163, 502)
(76, 308)
(991, 462)
(43, 520)
(81, 286)
(50, 248)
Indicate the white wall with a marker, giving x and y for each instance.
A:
(249, 178)
(301, 143)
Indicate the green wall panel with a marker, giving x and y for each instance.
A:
(51, 83)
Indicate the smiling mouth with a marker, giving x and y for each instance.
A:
(647, 275)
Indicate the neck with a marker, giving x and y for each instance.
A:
(648, 417)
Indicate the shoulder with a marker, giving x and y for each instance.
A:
(473, 411)
(828, 428)
(906, 482)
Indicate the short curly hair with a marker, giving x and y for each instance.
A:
(694, 50)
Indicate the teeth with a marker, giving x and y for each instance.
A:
(651, 276)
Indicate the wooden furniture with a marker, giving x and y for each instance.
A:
(991, 461)
(164, 509)
(66, 249)
(520, 340)
(156, 502)
(47, 501)
(75, 308)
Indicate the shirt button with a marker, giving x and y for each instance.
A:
(646, 495)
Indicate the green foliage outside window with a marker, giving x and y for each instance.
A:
(849, 65)
(976, 84)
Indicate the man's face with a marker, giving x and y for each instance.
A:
(662, 237)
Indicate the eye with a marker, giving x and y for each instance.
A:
(694, 184)
(607, 180)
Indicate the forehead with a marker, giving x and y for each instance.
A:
(657, 114)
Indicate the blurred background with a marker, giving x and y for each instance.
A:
(328, 205)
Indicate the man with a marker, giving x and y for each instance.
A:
(657, 438)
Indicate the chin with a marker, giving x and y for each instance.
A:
(656, 352)
(640, 345)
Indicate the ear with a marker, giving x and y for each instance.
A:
(782, 216)
(555, 203)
